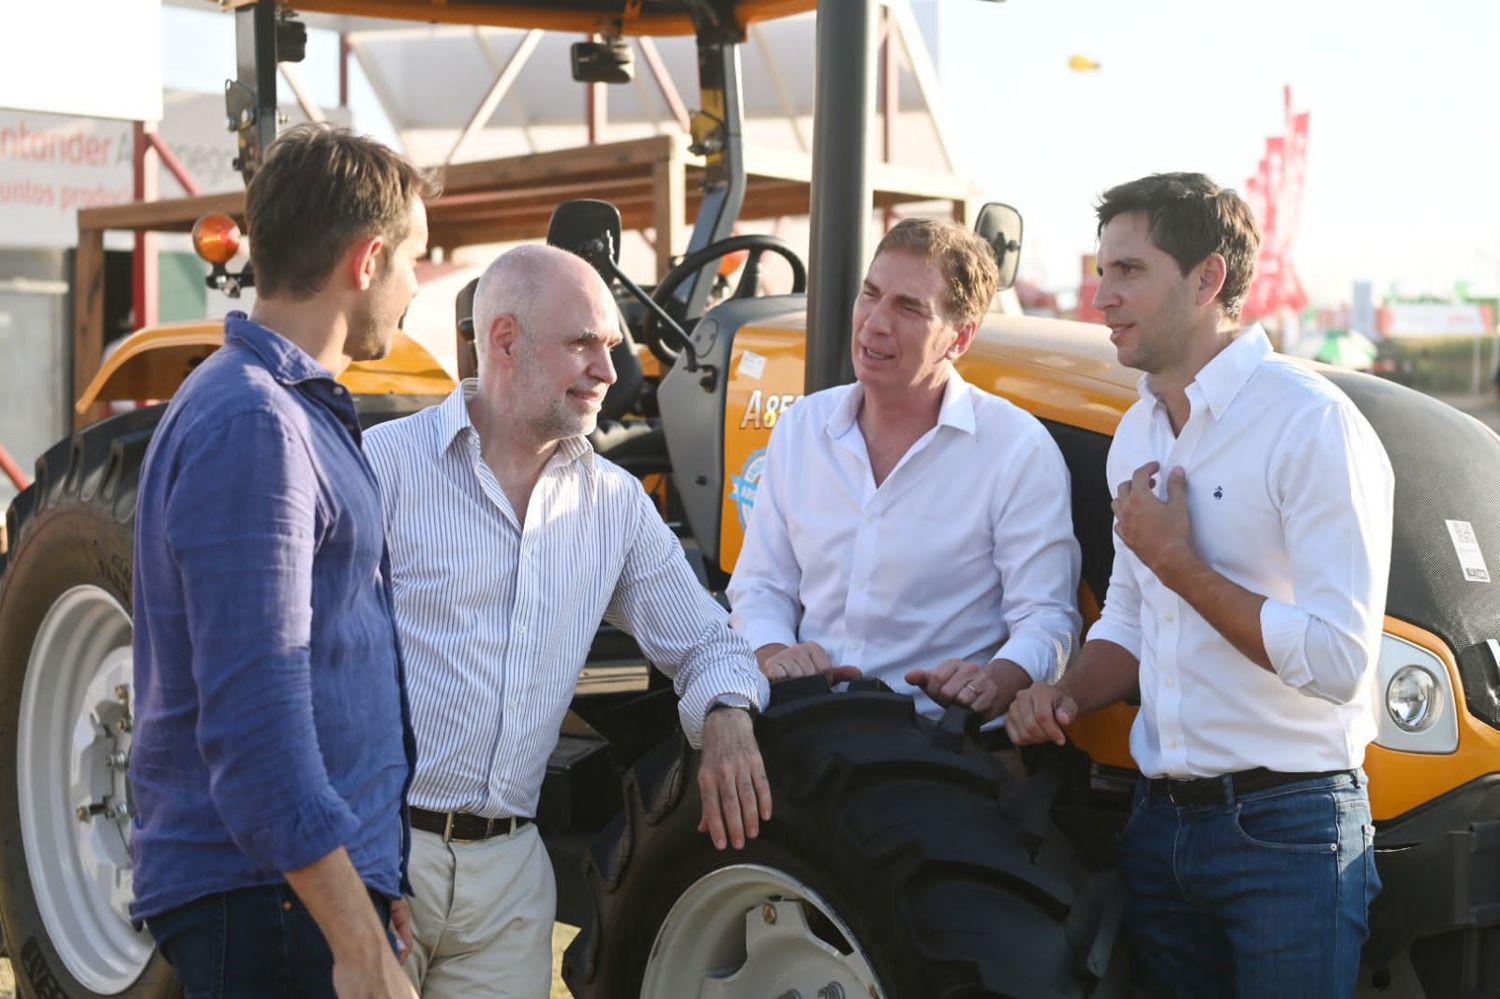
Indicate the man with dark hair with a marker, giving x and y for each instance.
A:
(271, 748)
(911, 526)
(1253, 518)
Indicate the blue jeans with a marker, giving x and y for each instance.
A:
(251, 942)
(1266, 895)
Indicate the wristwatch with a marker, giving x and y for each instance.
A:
(739, 701)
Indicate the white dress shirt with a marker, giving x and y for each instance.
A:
(965, 551)
(496, 617)
(1290, 495)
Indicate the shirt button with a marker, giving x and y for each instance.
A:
(1169, 617)
(1176, 743)
(340, 390)
(869, 518)
(521, 630)
(1169, 682)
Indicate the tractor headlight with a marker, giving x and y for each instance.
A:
(1411, 698)
(1416, 695)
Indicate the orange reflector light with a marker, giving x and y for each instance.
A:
(731, 262)
(216, 238)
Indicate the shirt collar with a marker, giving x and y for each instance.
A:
(287, 362)
(453, 420)
(956, 411)
(1221, 379)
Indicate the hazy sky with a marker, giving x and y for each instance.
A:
(1403, 173)
(1403, 169)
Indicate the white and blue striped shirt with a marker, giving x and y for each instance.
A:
(496, 617)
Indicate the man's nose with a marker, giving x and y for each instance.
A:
(1105, 294)
(603, 367)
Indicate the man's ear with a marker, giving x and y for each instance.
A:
(1211, 274)
(501, 337)
(363, 260)
(963, 340)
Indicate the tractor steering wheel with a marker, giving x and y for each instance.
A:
(652, 329)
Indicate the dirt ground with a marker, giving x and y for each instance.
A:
(561, 936)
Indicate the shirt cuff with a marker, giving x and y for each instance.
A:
(311, 831)
(1038, 655)
(759, 631)
(693, 708)
(1283, 630)
(1125, 637)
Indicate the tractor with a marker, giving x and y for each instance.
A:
(903, 861)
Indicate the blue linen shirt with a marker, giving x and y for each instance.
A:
(271, 724)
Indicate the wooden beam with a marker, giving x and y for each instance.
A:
(497, 92)
(664, 82)
(669, 185)
(778, 84)
(920, 61)
(88, 313)
(304, 99)
(561, 163)
(174, 215)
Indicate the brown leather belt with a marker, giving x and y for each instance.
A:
(463, 827)
(1222, 790)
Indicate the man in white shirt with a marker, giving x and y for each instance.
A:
(1253, 518)
(510, 540)
(911, 526)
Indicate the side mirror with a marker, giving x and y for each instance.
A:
(590, 229)
(1000, 226)
(609, 61)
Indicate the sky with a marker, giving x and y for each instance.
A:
(1404, 139)
(1404, 150)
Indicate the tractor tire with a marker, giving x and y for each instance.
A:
(900, 863)
(65, 687)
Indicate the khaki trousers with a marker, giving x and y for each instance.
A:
(482, 917)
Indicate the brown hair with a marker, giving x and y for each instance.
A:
(319, 190)
(966, 260)
(1189, 217)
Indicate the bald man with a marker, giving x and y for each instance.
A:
(510, 539)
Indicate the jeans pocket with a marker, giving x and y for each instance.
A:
(1137, 806)
(1293, 823)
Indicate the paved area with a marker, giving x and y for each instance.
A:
(562, 935)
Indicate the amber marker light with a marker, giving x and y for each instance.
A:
(216, 238)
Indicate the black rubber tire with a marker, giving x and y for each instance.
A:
(946, 871)
(72, 526)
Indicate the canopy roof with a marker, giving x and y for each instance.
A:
(631, 17)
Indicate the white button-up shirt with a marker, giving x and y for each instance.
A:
(965, 551)
(1290, 495)
(496, 617)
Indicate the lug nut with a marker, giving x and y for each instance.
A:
(121, 810)
(118, 760)
(123, 725)
(768, 913)
(833, 990)
(122, 692)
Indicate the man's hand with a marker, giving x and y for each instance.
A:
(381, 979)
(1159, 533)
(985, 690)
(782, 662)
(732, 779)
(1039, 713)
(401, 924)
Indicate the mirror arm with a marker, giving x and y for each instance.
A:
(661, 314)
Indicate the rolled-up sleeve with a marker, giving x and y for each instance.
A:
(1335, 491)
(764, 592)
(1038, 560)
(678, 625)
(1119, 619)
(247, 581)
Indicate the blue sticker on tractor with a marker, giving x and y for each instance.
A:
(743, 486)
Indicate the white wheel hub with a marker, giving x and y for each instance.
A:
(753, 932)
(75, 808)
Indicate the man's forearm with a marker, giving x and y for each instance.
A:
(1228, 607)
(1103, 674)
(340, 904)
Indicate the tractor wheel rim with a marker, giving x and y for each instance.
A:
(747, 931)
(74, 798)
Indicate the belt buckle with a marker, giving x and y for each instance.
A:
(1192, 793)
(447, 828)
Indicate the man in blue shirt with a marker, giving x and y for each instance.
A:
(272, 745)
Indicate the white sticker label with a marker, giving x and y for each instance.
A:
(1470, 558)
(752, 365)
